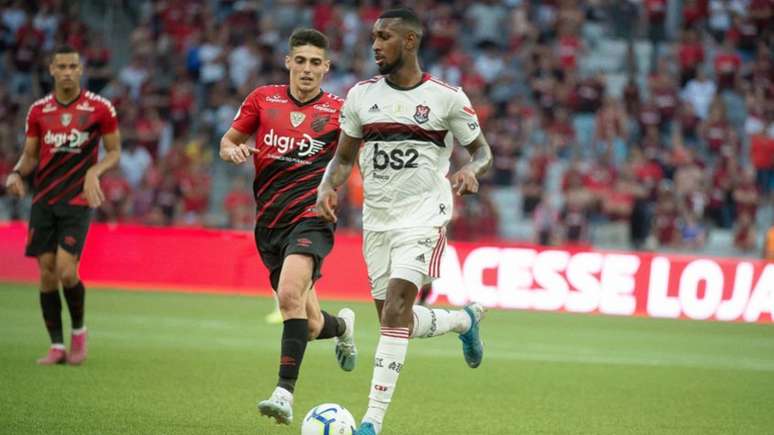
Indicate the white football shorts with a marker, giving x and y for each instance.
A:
(411, 254)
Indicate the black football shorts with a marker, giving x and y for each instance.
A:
(57, 225)
(312, 237)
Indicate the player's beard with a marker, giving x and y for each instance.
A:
(389, 68)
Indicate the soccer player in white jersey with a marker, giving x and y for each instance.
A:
(407, 120)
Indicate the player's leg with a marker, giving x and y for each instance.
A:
(303, 246)
(376, 252)
(396, 318)
(421, 250)
(292, 287)
(314, 238)
(323, 325)
(275, 317)
(51, 307)
(424, 294)
(41, 243)
(72, 228)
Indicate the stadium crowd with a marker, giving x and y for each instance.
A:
(658, 149)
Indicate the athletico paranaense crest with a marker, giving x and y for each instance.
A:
(296, 118)
(422, 114)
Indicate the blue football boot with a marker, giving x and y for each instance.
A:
(472, 346)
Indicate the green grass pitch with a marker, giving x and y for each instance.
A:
(169, 363)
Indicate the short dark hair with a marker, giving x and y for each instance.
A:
(406, 14)
(308, 37)
(64, 49)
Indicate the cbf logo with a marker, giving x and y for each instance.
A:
(422, 114)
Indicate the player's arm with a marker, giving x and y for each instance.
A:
(91, 187)
(26, 164)
(336, 174)
(466, 179)
(233, 148)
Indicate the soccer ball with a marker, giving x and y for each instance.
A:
(328, 419)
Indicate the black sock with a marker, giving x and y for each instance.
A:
(76, 297)
(51, 306)
(332, 326)
(295, 333)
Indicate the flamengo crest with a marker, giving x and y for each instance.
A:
(422, 114)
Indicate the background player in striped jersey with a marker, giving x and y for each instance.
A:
(296, 128)
(407, 120)
(61, 148)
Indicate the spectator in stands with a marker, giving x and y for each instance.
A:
(546, 223)
(690, 54)
(135, 161)
(98, 58)
(239, 204)
(532, 70)
(768, 244)
(117, 193)
(693, 234)
(665, 219)
(699, 92)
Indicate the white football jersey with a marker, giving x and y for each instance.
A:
(408, 138)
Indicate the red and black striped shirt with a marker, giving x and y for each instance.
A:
(68, 136)
(295, 142)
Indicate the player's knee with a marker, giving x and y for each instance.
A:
(394, 310)
(290, 300)
(48, 279)
(68, 275)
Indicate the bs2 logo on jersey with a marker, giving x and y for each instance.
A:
(396, 159)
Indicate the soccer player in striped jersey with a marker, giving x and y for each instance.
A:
(296, 128)
(61, 149)
(407, 120)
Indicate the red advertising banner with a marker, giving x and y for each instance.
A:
(508, 276)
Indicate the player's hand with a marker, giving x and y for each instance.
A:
(238, 154)
(327, 200)
(92, 190)
(14, 184)
(464, 181)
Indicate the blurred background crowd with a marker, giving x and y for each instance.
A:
(645, 124)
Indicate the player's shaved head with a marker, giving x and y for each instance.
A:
(404, 20)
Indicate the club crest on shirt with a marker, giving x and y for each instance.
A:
(319, 121)
(296, 118)
(422, 114)
(65, 119)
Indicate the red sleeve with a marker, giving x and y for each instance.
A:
(31, 124)
(248, 118)
(109, 121)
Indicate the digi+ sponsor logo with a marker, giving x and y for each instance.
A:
(307, 145)
(66, 142)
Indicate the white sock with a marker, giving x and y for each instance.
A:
(388, 361)
(429, 322)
